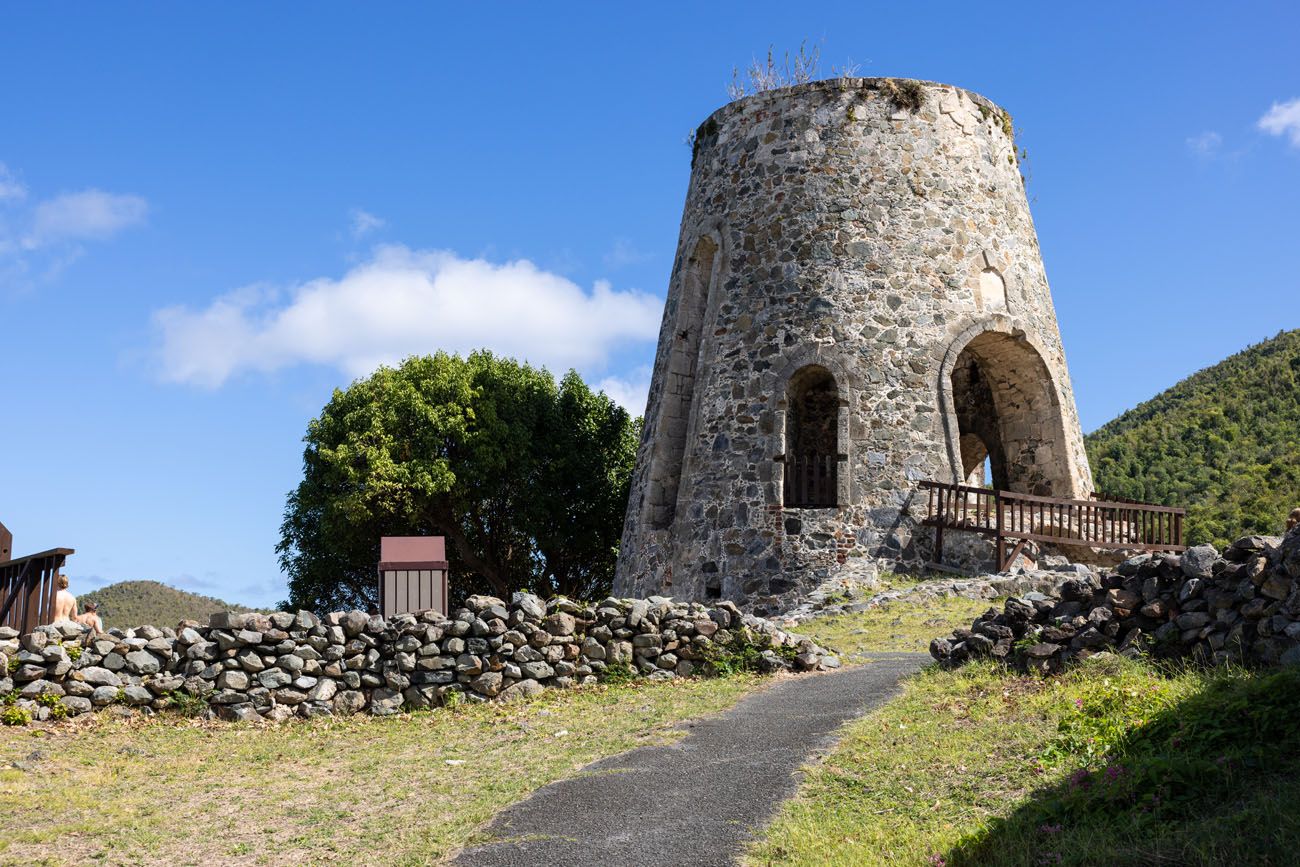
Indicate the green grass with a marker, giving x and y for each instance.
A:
(1114, 763)
(408, 789)
(898, 626)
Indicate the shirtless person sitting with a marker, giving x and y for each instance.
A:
(90, 618)
(1293, 519)
(65, 604)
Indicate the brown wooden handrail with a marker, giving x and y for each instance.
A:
(1029, 517)
(27, 588)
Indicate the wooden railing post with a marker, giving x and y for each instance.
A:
(1002, 542)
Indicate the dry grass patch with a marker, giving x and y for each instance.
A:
(896, 626)
(410, 789)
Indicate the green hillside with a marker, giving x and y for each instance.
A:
(1225, 443)
(136, 603)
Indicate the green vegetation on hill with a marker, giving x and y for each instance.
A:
(1224, 443)
(136, 603)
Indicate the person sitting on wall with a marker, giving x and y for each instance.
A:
(1293, 520)
(65, 604)
(90, 617)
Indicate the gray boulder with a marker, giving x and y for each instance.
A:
(232, 679)
(137, 695)
(348, 702)
(1198, 561)
(104, 695)
(274, 678)
(324, 690)
(536, 670)
(488, 683)
(384, 702)
(522, 689)
(77, 704)
(96, 675)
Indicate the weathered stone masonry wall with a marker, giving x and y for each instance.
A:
(824, 225)
(254, 666)
(1238, 607)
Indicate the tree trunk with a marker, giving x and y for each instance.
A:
(491, 572)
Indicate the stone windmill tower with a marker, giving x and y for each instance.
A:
(858, 303)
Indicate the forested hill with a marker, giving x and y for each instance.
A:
(1225, 443)
(136, 603)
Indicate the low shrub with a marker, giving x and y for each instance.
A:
(618, 673)
(13, 715)
(58, 710)
(187, 703)
(745, 653)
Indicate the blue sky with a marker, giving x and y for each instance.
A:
(213, 215)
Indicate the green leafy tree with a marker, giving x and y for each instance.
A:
(528, 480)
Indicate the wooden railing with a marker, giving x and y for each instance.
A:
(27, 589)
(810, 481)
(1026, 517)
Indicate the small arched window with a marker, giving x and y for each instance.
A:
(811, 439)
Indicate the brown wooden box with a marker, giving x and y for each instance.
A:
(412, 574)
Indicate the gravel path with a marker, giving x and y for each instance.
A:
(696, 801)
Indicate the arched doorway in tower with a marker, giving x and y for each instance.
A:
(1010, 433)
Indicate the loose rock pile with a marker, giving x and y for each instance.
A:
(1242, 606)
(274, 666)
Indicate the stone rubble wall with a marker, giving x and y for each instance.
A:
(1241, 606)
(275, 666)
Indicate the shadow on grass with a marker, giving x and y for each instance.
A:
(1213, 779)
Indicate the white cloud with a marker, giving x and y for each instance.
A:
(87, 215)
(1283, 118)
(404, 302)
(364, 222)
(622, 254)
(1206, 144)
(11, 189)
(39, 240)
(628, 391)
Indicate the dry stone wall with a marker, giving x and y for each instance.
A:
(275, 666)
(1241, 606)
(829, 229)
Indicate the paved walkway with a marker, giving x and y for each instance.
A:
(696, 801)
